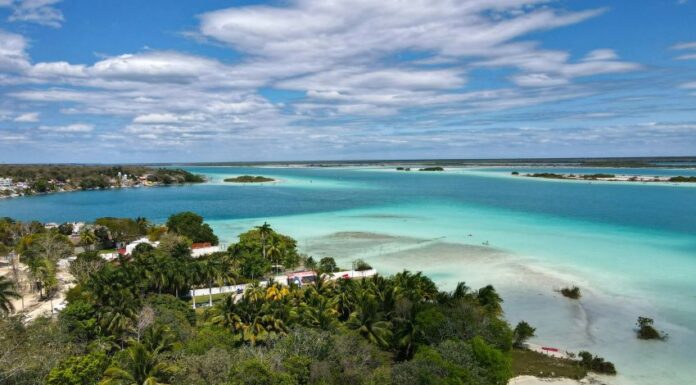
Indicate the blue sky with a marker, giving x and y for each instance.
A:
(158, 81)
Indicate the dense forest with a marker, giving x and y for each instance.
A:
(131, 320)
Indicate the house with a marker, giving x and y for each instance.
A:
(301, 277)
(5, 182)
(203, 248)
(131, 246)
(349, 274)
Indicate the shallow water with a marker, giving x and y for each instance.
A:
(630, 247)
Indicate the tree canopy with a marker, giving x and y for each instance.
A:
(191, 225)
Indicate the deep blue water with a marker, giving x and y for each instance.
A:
(320, 190)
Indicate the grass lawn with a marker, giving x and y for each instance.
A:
(106, 251)
(204, 298)
(526, 362)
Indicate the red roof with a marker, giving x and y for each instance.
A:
(201, 245)
(301, 274)
(122, 251)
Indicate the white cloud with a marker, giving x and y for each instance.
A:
(57, 69)
(13, 56)
(41, 12)
(353, 67)
(70, 128)
(687, 57)
(538, 80)
(601, 55)
(685, 45)
(31, 117)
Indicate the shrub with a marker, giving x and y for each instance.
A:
(596, 364)
(361, 265)
(646, 330)
(79, 370)
(571, 292)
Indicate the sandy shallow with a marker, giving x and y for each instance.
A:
(599, 322)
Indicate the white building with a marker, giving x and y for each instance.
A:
(201, 249)
(5, 182)
(131, 246)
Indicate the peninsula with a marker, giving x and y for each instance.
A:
(20, 180)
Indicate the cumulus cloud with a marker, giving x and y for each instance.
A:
(360, 72)
(13, 56)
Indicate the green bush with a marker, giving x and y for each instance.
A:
(79, 370)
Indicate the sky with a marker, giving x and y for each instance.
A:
(96, 81)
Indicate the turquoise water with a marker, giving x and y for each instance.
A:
(630, 247)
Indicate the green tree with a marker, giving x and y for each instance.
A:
(497, 366)
(7, 293)
(192, 227)
(523, 331)
(368, 321)
(270, 245)
(253, 265)
(87, 239)
(79, 370)
(265, 232)
(123, 230)
(490, 300)
(214, 269)
(66, 228)
(327, 265)
(138, 366)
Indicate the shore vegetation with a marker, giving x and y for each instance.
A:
(249, 179)
(130, 319)
(43, 179)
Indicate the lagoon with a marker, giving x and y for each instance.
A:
(630, 247)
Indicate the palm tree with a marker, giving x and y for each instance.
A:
(490, 300)
(158, 338)
(276, 292)
(265, 231)
(274, 253)
(87, 239)
(7, 292)
(45, 273)
(320, 312)
(228, 314)
(140, 367)
(368, 321)
(214, 269)
(345, 297)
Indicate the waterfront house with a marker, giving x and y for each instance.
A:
(203, 248)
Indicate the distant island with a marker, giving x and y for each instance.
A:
(432, 169)
(249, 179)
(20, 180)
(612, 177)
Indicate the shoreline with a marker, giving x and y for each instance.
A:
(100, 189)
